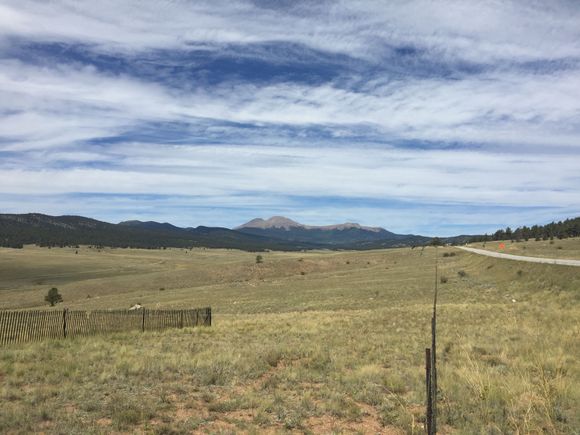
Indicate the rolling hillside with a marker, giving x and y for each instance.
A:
(17, 230)
(277, 233)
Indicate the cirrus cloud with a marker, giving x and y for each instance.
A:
(327, 111)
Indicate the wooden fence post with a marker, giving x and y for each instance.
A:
(181, 318)
(64, 322)
(143, 321)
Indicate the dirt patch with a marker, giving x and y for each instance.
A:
(367, 425)
(218, 427)
(241, 415)
(105, 421)
(183, 413)
(70, 408)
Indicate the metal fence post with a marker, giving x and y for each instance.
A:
(429, 397)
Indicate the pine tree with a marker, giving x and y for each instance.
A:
(53, 297)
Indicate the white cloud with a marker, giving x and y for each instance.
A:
(68, 104)
(477, 31)
(467, 177)
(525, 118)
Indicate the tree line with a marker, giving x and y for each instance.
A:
(559, 230)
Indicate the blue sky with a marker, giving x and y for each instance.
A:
(437, 118)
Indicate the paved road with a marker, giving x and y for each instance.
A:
(560, 261)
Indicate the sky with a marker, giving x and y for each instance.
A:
(426, 117)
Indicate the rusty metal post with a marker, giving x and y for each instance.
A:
(428, 391)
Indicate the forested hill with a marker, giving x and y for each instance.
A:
(560, 230)
(17, 230)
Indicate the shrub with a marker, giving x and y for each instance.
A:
(462, 273)
(259, 259)
(520, 272)
(443, 279)
(53, 297)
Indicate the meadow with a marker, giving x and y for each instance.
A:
(564, 248)
(308, 342)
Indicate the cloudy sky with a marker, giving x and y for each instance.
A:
(432, 117)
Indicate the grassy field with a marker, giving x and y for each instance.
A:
(565, 248)
(319, 342)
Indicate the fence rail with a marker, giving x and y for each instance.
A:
(22, 326)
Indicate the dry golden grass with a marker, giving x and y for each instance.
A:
(319, 342)
(565, 248)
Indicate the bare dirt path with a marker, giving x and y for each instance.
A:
(560, 261)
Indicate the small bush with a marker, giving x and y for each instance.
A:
(224, 406)
(462, 273)
(259, 259)
(127, 412)
(443, 279)
(449, 254)
(520, 272)
(302, 273)
(45, 416)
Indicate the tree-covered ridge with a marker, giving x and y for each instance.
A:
(17, 230)
(560, 230)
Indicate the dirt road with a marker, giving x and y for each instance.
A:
(560, 261)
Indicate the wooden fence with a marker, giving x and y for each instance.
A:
(21, 326)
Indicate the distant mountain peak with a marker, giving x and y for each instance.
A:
(281, 222)
(273, 222)
(347, 226)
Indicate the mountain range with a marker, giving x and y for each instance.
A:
(276, 233)
(341, 235)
